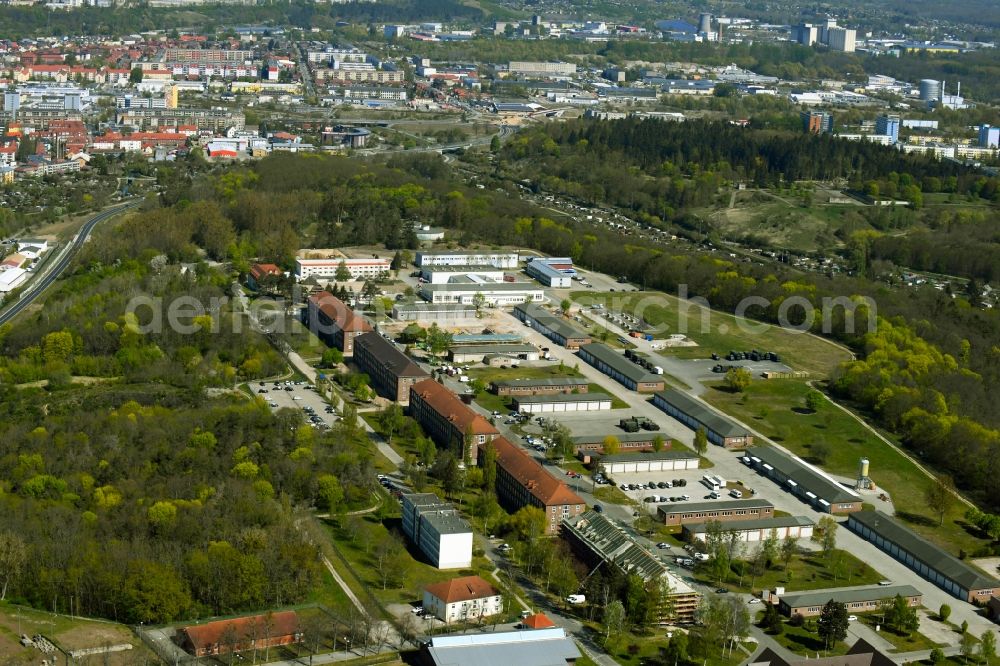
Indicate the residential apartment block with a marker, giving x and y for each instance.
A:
(360, 269)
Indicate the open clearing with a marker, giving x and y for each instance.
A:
(65, 632)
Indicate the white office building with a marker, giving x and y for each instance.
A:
(497, 259)
(438, 530)
(495, 294)
(466, 599)
(360, 269)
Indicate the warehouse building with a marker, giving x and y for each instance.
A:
(752, 531)
(951, 574)
(620, 369)
(725, 511)
(391, 372)
(555, 272)
(433, 312)
(720, 429)
(628, 442)
(652, 461)
(861, 599)
(477, 353)
(438, 530)
(810, 484)
(572, 402)
(540, 386)
(451, 423)
(599, 539)
(553, 326)
(522, 481)
(495, 294)
(506, 260)
(334, 323)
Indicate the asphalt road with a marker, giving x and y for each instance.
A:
(40, 283)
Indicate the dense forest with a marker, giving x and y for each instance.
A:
(126, 489)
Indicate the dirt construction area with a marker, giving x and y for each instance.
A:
(62, 635)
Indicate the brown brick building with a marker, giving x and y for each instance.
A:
(334, 323)
(391, 371)
(448, 420)
(521, 481)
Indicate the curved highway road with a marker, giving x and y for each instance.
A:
(42, 282)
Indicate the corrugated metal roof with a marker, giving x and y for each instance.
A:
(701, 412)
(539, 647)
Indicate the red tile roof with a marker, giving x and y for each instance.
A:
(260, 270)
(204, 636)
(542, 485)
(451, 407)
(538, 621)
(338, 312)
(466, 588)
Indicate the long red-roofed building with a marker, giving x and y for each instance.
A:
(334, 322)
(522, 481)
(241, 634)
(449, 421)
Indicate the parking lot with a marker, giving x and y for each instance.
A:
(299, 396)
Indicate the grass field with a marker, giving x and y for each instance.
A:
(812, 571)
(719, 332)
(805, 640)
(362, 539)
(776, 409)
(65, 632)
(911, 643)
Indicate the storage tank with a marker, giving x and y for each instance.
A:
(930, 90)
(863, 468)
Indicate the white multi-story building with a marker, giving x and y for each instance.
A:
(445, 274)
(498, 259)
(360, 269)
(438, 530)
(466, 599)
(495, 294)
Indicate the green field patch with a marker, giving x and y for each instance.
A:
(776, 408)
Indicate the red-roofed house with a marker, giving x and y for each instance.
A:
(449, 421)
(241, 634)
(8, 153)
(465, 599)
(521, 481)
(334, 323)
(260, 272)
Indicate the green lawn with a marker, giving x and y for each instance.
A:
(722, 332)
(810, 571)
(776, 409)
(804, 640)
(302, 340)
(68, 633)
(612, 495)
(361, 540)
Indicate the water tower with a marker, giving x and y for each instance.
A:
(864, 481)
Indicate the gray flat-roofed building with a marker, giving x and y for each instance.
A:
(476, 353)
(438, 530)
(538, 647)
(555, 327)
(640, 462)
(540, 386)
(620, 369)
(695, 414)
(391, 371)
(496, 294)
(550, 272)
(860, 599)
(570, 402)
(724, 511)
(796, 527)
(810, 484)
(432, 311)
(932, 562)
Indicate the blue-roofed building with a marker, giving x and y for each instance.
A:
(676, 25)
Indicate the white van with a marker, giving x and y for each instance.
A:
(735, 493)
